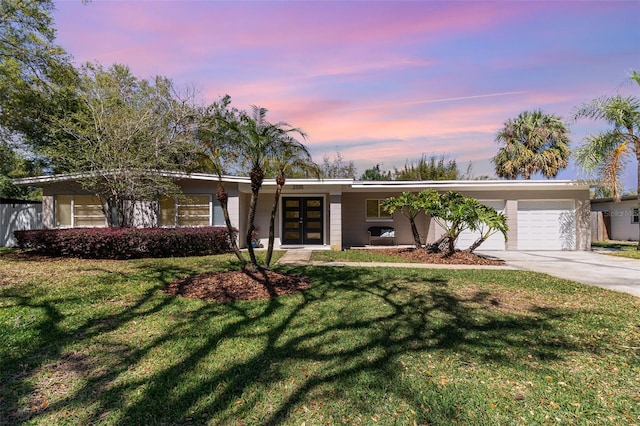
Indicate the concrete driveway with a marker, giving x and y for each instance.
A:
(588, 267)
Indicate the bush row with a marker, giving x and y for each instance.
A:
(126, 243)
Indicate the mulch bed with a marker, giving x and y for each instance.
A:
(457, 258)
(237, 285)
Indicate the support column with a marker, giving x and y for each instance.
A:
(583, 225)
(335, 221)
(511, 212)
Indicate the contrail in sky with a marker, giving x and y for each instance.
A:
(433, 101)
(462, 98)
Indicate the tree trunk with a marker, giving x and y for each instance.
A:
(272, 225)
(251, 227)
(451, 246)
(476, 244)
(638, 190)
(223, 199)
(438, 245)
(257, 177)
(416, 234)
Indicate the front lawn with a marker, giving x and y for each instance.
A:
(84, 342)
(622, 249)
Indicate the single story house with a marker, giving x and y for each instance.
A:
(615, 220)
(337, 213)
(18, 215)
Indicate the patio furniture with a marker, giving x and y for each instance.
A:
(382, 234)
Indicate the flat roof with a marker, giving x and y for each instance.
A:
(394, 185)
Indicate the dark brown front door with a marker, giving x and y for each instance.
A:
(302, 220)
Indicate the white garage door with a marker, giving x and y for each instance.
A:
(546, 225)
(494, 242)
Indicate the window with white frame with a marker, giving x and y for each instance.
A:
(190, 210)
(79, 211)
(374, 210)
(635, 217)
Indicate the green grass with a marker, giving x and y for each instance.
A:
(98, 342)
(371, 255)
(621, 249)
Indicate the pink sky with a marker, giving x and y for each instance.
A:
(380, 82)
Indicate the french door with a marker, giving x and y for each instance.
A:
(302, 220)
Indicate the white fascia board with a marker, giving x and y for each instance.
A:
(472, 185)
(45, 179)
(311, 182)
(48, 179)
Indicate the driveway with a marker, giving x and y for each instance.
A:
(588, 267)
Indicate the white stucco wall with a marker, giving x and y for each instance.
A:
(621, 215)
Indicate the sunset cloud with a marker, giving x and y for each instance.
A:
(381, 82)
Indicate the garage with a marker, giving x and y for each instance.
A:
(494, 242)
(546, 225)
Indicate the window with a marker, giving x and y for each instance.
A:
(635, 216)
(79, 211)
(374, 211)
(192, 210)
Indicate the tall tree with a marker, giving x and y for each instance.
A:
(126, 131)
(534, 142)
(257, 141)
(337, 167)
(607, 152)
(12, 166)
(216, 153)
(375, 174)
(36, 75)
(432, 168)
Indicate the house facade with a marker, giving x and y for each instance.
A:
(615, 220)
(336, 213)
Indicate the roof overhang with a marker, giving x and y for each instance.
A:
(473, 185)
(347, 185)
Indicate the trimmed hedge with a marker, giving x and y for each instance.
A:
(125, 243)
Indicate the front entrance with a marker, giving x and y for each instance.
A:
(302, 220)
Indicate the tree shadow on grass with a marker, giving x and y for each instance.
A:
(261, 362)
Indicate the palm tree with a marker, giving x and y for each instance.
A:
(292, 157)
(535, 142)
(215, 152)
(607, 152)
(257, 141)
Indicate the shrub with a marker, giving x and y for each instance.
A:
(125, 243)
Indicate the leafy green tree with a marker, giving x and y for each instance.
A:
(410, 205)
(607, 152)
(535, 142)
(488, 222)
(36, 76)
(432, 168)
(375, 174)
(454, 213)
(337, 168)
(13, 166)
(125, 132)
